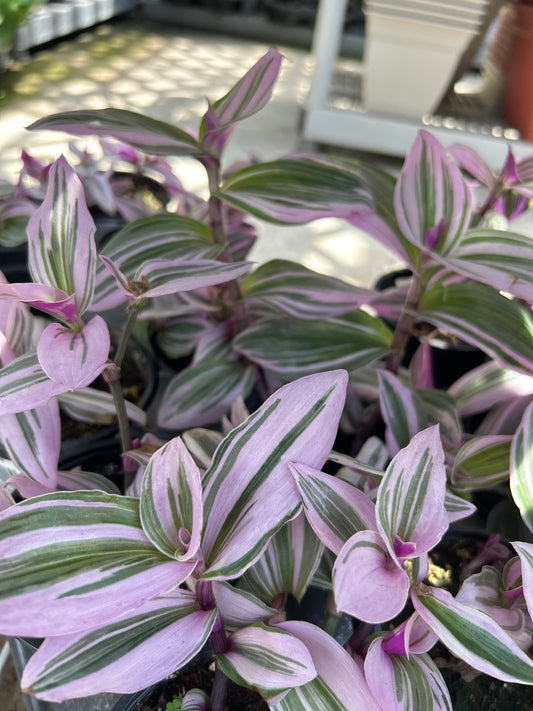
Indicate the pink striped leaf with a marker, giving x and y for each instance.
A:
(250, 94)
(296, 190)
(171, 502)
(268, 659)
(147, 134)
(24, 385)
(288, 563)
(397, 682)
(520, 479)
(239, 608)
(202, 393)
(488, 384)
(93, 405)
(432, 200)
(74, 358)
(32, 440)
(248, 490)
(340, 684)
(471, 635)
(75, 480)
(72, 561)
(473, 163)
(410, 506)
(481, 316)
(164, 236)
(124, 655)
(302, 293)
(49, 299)
(366, 581)
(61, 246)
(501, 259)
(334, 508)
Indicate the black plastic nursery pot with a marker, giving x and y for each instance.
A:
(21, 651)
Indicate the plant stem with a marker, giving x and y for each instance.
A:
(133, 312)
(403, 327)
(220, 686)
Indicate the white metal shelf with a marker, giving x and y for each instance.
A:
(333, 119)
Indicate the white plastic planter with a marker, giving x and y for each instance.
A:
(63, 18)
(41, 26)
(105, 9)
(409, 63)
(85, 11)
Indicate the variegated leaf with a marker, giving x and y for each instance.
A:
(165, 236)
(61, 246)
(334, 508)
(123, 656)
(433, 201)
(401, 409)
(296, 190)
(248, 490)
(74, 480)
(397, 682)
(32, 440)
(25, 386)
(250, 94)
(302, 293)
(46, 298)
(195, 700)
(440, 408)
(340, 684)
(472, 636)
(501, 259)
(520, 480)
(481, 463)
(291, 348)
(203, 392)
(202, 444)
(410, 508)
(143, 132)
(482, 388)
(171, 501)
(92, 405)
(180, 337)
(268, 659)
(71, 561)
(481, 316)
(239, 608)
(367, 583)
(457, 508)
(74, 359)
(288, 563)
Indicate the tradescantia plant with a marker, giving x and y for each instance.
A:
(218, 532)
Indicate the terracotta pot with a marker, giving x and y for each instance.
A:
(518, 97)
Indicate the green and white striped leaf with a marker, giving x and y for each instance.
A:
(501, 327)
(32, 440)
(482, 462)
(501, 259)
(25, 386)
(171, 501)
(520, 480)
(457, 508)
(288, 563)
(440, 408)
(248, 490)
(296, 190)
(472, 636)
(61, 246)
(142, 647)
(164, 236)
(92, 405)
(334, 508)
(71, 561)
(402, 411)
(240, 608)
(292, 348)
(340, 684)
(203, 392)
(202, 444)
(431, 194)
(143, 132)
(410, 508)
(268, 659)
(180, 337)
(397, 682)
(488, 384)
(302, 293)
